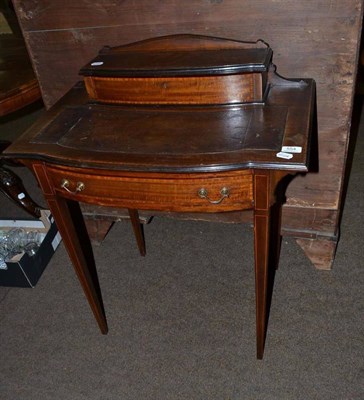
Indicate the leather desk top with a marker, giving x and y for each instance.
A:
(178, 138)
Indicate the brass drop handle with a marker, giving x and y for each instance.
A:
(66, 183)
(203, 194)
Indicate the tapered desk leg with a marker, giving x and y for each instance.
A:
(261, 249)
(276, 225)
(138, 230)
(69, 220)
(267, 238)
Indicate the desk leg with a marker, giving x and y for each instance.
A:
(267, 239)
(138, 230)
(262, 200)
(69, 220)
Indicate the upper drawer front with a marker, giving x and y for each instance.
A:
(224, 89)
(166, 192)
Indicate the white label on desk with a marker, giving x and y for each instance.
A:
(287, 156)
(96, 63)
(21, 196)
(292, 149)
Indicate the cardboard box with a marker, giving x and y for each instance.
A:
(23, 270)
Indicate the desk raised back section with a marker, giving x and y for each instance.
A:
(180, 69)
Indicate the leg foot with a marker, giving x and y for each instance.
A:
(97, 229)
(321, 252)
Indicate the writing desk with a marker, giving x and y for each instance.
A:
(209, 158)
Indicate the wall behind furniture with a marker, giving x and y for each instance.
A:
(316, 39)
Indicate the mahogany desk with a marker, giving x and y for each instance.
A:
(180, 158)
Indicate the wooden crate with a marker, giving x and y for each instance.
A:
(311, 39)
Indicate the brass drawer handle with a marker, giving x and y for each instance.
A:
(79, 186)
(203, 194)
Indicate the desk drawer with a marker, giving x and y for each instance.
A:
(205, 192)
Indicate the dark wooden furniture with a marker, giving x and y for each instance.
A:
(321, 42)
(18, 88)
(18, 83)
(201, 151)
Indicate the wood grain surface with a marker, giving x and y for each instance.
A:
(225, 89)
